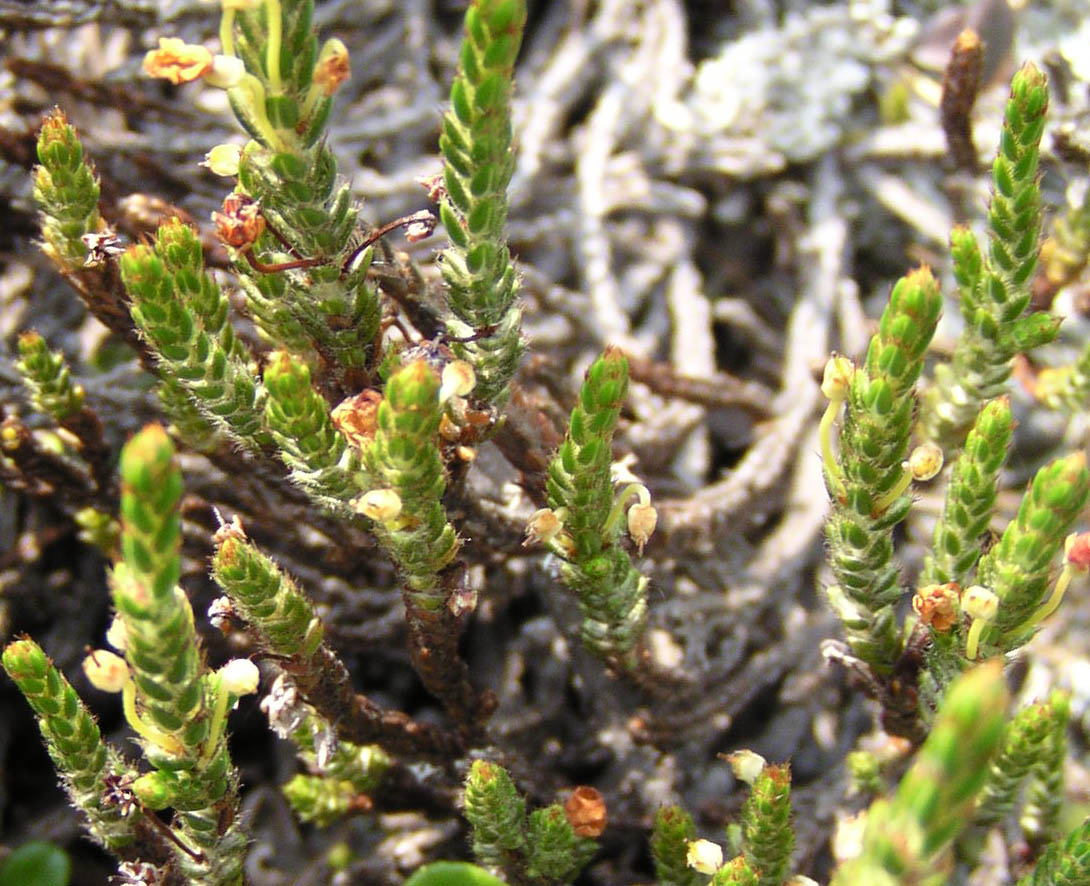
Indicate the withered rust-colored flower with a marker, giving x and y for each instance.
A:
(332, 67)
(356, 417)
(585, 811)
(937, 605)
(1077, 551)
(240, 223)
(178, 61)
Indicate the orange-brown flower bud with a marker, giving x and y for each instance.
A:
(240, 223)
(332, 67)
(357, 417)
(937, 605)
(585, 811)
(1077, 551)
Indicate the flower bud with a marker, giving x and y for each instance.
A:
(925, 461)
(746, 765)
(585, 811)
(642, 519)
(979, 602)
(153, 790)
(239, 676)
(106, 671)
(178, 61)
(380, 505)
(704, 856)
(332, 67)
(837, 377)
(223, 159)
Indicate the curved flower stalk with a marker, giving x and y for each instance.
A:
(478, 159)
(583, 526)
(995, 289)
(867, 478)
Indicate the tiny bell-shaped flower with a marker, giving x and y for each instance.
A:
(704, 856)
(585, 811)
(332, 67)
(543, 526)
(227, 72)
(117, 634)
(178, 61)
(746, 765)
(106, 671)
(925, 462)
(380, 505)
(979, 602)
(239, 676)
(837, 377)
(459, 379)
(642, 519)
(223, 159)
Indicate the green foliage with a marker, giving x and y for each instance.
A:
(1018, 568)
(995, 288)
(46, 375)
(320, 460)
(66, 191)
(670, 837)
(452, 873)
(906, 836)
(540, 848)
(736, 872)
(768, 836)
(183, 315)
(1064, 863)
(84, 762)
(612, 594)
(865, 482)
(36, 863)
(404, 457)
(175, 705)
(478, 160)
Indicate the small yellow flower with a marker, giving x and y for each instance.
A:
(837, 377)
(925, 461)
(380, 505)
(223, 159)
(979, 602)
(543, 526)
(746, 765)
(227, 71)
(178, 61)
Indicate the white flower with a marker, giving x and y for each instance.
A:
(380, 505)
(239, 676)
(227, 71)
(704, 856)
(746, 765)
(458, 380)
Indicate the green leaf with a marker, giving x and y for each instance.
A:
(37, 863)
(449, 873)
